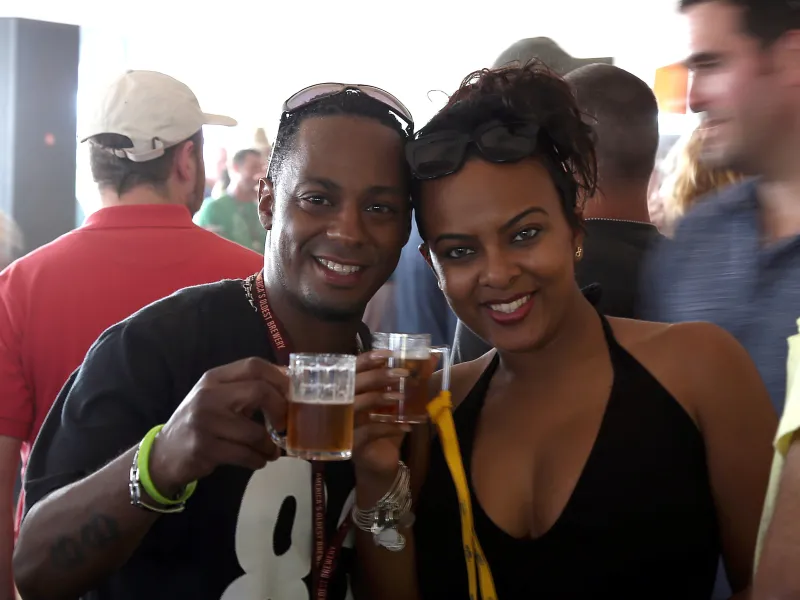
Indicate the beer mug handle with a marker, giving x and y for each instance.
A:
(279, 439)
(446, 355)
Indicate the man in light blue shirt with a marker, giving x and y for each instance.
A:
(736, 257)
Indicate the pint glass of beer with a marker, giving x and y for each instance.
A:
(320, 421)
(411, 352)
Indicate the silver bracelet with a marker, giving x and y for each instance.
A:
(135, 488)
(391, 512)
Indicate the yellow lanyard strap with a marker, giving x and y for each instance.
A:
(441, 412)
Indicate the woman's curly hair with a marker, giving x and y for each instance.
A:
(531, 93)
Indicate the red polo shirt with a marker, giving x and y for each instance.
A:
(57, 300)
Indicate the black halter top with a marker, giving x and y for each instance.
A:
(640, 523)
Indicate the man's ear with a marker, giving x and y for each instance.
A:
(786, 53)
(266, 202)
(186, 162)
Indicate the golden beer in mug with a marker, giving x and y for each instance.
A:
(411, 352)
(320, 430)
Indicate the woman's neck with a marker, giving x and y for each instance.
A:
(574, 341)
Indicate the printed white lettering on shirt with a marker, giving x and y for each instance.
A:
(268, 575)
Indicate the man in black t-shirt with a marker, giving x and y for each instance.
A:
(203, 363)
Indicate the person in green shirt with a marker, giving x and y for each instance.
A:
(234, 215)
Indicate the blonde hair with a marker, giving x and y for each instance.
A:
(689, 179)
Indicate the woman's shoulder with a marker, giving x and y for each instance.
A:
(682, 343)
(699, 363)
(463, 377)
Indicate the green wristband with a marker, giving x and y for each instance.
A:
(143, 464)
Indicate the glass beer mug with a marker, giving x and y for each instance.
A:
(319, 424)
(412, 352)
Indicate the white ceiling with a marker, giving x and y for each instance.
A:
(245, 56)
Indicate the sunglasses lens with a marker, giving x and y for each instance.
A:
(308, 95)
(440, 154)
(386, 98)
(436, 157)
(315, 92)
(505, 144)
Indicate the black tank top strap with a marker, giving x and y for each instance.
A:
(616, 350)
(631, 378)
(622, 363)
(611, 340)
(468, 411)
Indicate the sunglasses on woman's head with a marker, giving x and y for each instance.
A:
(443, 153)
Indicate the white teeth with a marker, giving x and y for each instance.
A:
(339, 268)
(511, 306)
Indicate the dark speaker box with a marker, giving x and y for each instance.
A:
(38, 114)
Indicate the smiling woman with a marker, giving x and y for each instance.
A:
(540, 144)
(605, 457)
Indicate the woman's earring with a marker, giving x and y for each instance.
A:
(439, 283)
(579, 252)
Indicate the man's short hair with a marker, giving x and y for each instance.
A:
(241, 156)
(765, 20)
(349, 103)
(624, 113)
(121, 175)
(547, 51)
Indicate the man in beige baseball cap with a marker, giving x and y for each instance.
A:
(145, 126)
(146, 156)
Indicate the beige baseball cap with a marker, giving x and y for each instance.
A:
(153, 110)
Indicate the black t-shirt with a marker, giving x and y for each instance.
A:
(244, 535)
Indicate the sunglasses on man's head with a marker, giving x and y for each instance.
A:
(443, 153)
(317, 92)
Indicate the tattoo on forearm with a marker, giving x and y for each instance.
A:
(70, 552)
